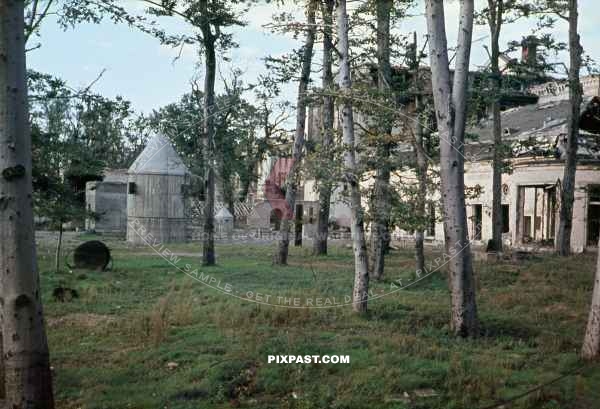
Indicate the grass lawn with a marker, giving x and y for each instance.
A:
(145, 335)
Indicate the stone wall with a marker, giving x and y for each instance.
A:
(108, 200)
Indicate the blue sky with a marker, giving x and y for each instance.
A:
(141, 70)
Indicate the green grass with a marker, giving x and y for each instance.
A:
(111, 346)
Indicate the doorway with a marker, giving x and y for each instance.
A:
(536, 214)
(476, 221)
(298, 225)
(593, 215)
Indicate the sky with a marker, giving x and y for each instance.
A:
(140, 69)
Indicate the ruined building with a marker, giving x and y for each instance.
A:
(534, 121)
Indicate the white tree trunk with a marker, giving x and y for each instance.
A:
(292, 179)
(450, 107)
(27, 379)
(361, 273)
(591, 341)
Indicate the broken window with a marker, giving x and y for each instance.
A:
(476, 220)
(536, 214)
(593, 224)
(505, 218)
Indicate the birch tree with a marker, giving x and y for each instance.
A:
(361, 273)
(451, 110)
(591, 341)
(27, 381)
(563, 238)
(292, 180)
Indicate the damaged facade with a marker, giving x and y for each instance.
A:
(535, 127)
(534, 122)
(536, 135)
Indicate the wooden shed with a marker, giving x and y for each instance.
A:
(157, 208)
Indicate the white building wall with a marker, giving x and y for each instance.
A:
(525, 173)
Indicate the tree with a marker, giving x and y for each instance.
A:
(27, 379)
(237, 133)
(361, 272)
(381, 200)
(495, 12)
(495, 15)
(210, 18)
(450, 107)
(325, 184)
(75, 135)
(563, 238)
(420, 137)
(270, 115)
(292, 178)
(69, 13)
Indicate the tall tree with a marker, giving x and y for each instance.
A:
(563, 238)
(210, 17)
(421, 157)
(27, 379)
(381, 202)
(495, 20)
(327, 112)
(451, 111)
(361, 272)
(292, 180)
(210, 61)
(495, 15)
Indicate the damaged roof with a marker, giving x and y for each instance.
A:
(541, 129)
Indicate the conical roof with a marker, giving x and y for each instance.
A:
(159, 158)
(223, 214)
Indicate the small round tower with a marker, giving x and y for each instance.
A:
(156, 204)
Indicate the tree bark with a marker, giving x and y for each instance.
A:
(361, 273)
(58, 246)
(563, 238)
(292, 180)
(421, 162)
(326, 186)
(421, 171)
(496, 11)
(381, 202)
(591, 341)
(27, 379)
(450, 107)
(208, 41)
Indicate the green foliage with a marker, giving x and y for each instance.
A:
(238, 128)
(209, 18)
(405, 203)
(75, 136)
(363, 32)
